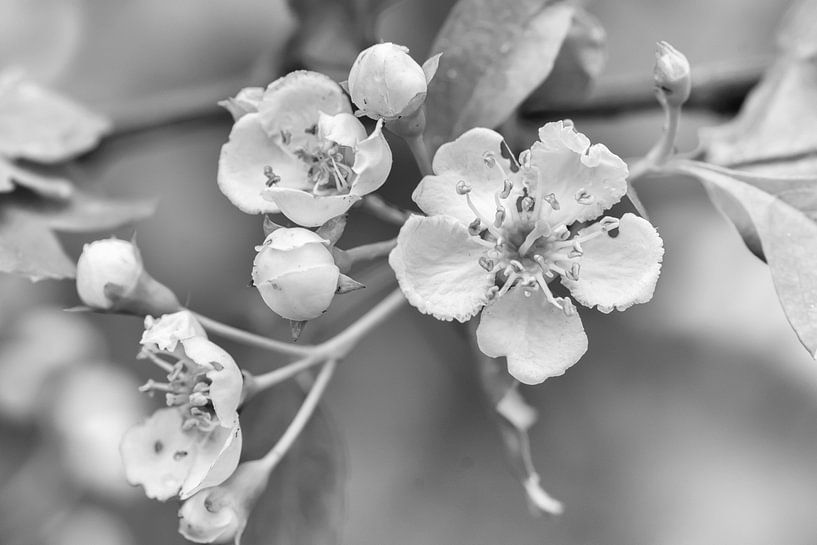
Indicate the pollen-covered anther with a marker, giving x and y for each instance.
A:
(489, 159)
(608, 223)
(487, 263)
(526, 204)
(475, 227)
(576, 250)
(507, 187)
(272, 177)
(573, 272)
(583, 197)
(463, 187)
(551, 199)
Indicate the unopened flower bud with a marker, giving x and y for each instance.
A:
(671, 74)
(386, 83)
(112, 277)
(295, 273)
(219, 514)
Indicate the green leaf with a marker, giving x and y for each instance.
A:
(304, 501)
(29, 248)
(495, 53)
(580, 61)
(777, 217)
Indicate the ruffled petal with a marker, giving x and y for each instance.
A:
(213, 460)
(622, 271)
(166, 332)
(308, 209)
(245, 102)
(242, 162)
(225, 377)
(436, 263)
(373, 162)
(538, 339)
(464, 159)
(156, 454)
(586, 180)
(292, 104)
(344, 129)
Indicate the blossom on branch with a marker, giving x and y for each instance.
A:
(195, 442)
(302, 153)
(500, 231)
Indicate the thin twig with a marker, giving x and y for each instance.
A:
(236, 334)
(378, 207)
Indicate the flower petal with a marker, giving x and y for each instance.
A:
(245, 102)
(308, 209)
(568, 165)
(292, 104)
(464, 159)
(156, 454)
(538, 339)
(373, 161)
(166, 332)
(214, 459)
(242, 162)
(344, 129)
(622, 271)
(226, 381)
(436, 263)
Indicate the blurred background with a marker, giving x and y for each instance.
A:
(691, 420)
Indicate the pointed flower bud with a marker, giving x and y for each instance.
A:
(386, 83)
(671, 74)
(295, 273)
(112, 277)
(219, 514)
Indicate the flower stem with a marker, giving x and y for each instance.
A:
(664, 148)
(379, 208)
(367, 252)
(420, 152)
(236, 334)
(303, 415)
(336, 348)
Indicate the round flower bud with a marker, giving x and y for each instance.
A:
(386, 83)
(112, 277)
(219, 514)
(295, 273)
(671, 74)
(106, 264)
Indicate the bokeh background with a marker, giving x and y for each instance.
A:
(691, 420)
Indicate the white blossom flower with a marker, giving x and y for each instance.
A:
(196, 442)
(302, 153)
(500, 231)
(295, 273)
(386, 83)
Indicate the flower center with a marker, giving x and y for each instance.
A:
(329, 164)
(187, 387)
(527, 244)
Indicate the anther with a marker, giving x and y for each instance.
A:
(524, 158)
(568, 307)
(489, 159)
(492, 291)
(526, 204)
(463, 187)
(486, 263)
(550, 198)
(475, 227)
(561, 232)
(608, 224)
(286, 137)
(583, 196)
(573, 273)
(576, 251)
(272, 178)
(516, 266)
(197, 399)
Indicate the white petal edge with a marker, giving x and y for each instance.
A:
(538, 339)
(307, 209)
(437, 266)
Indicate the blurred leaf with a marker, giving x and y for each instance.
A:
(580, 61)
(775, 216)
(776, 123)
(304, 502)
(40, 125)
(28, 246)
(494, 54)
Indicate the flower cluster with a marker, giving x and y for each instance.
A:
(499, 231)
(195, 442)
